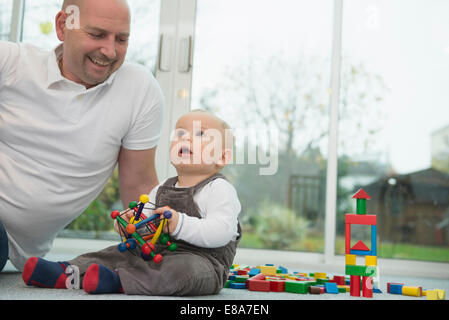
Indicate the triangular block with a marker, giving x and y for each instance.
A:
(361, 194)
(360, 246)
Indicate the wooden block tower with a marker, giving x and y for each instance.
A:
(361, 272)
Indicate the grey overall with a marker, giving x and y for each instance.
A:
(190, 270)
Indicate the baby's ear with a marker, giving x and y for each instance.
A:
(226, 158)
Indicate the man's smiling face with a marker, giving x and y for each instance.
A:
(98, 48)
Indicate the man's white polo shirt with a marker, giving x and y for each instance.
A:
(59, 142)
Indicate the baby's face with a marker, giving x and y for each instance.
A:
(198, 143)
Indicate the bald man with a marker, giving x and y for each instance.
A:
(67, 117)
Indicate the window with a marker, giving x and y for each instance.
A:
(263, 66)
(394, 124)
(5, 18)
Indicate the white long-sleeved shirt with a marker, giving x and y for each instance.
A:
(219, 208)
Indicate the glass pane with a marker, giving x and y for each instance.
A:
(38, 29)
(5, 18)
(264, 67)
(394, 124)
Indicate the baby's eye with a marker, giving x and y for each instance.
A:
(180, 132)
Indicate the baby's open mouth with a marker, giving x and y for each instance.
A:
(184, 151)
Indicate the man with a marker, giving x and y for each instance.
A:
(67, 117)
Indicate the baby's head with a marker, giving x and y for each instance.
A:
(201, 143)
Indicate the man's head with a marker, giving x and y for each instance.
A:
(202, 143)
(96, 47)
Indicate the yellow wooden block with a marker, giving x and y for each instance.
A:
(432, 295)
(435, 294)
(320, 275)
(370, 260)
(268, 270)
(350, 260)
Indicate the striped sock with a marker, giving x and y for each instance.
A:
(99, 279)
(39, 272)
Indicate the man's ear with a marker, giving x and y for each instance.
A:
(226, 158)
(60, 21)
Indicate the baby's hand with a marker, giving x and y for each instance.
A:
(172, 221)
(126, 216)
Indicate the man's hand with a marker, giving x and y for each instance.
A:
(172, 221)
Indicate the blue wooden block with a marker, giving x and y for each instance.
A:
(282, 269)
(253, 271)
(237, 285)
(396, 288)
(374, 240)
(362, 252)
(376, 290)
(331, 287)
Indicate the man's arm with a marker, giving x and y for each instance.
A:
(137, 173)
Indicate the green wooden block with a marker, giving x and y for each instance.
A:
(228, 283)
(321, 281)
(298, 286)
(361, 206)
(341, 290)
(241, 278)
(365, 271)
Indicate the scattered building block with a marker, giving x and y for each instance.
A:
(343, 288)
(258, 285)
(298, 286)
(389, 285)
(411, 291)
(277, 285)
(253, 271)
(319, 275)
(395, 288)
(316, 290)
(268, 270)
(339, 280)
(331, 287)
(237, 285)
(436, 294)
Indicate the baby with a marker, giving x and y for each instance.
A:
(204, 225)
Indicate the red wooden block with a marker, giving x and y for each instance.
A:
(348, 239)
(360, 246)
(361, 194)
(364, 219)
(242, 272)
(340, 280)
(258, 285)
(354, 286)
(277, 285)
(367, 287)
